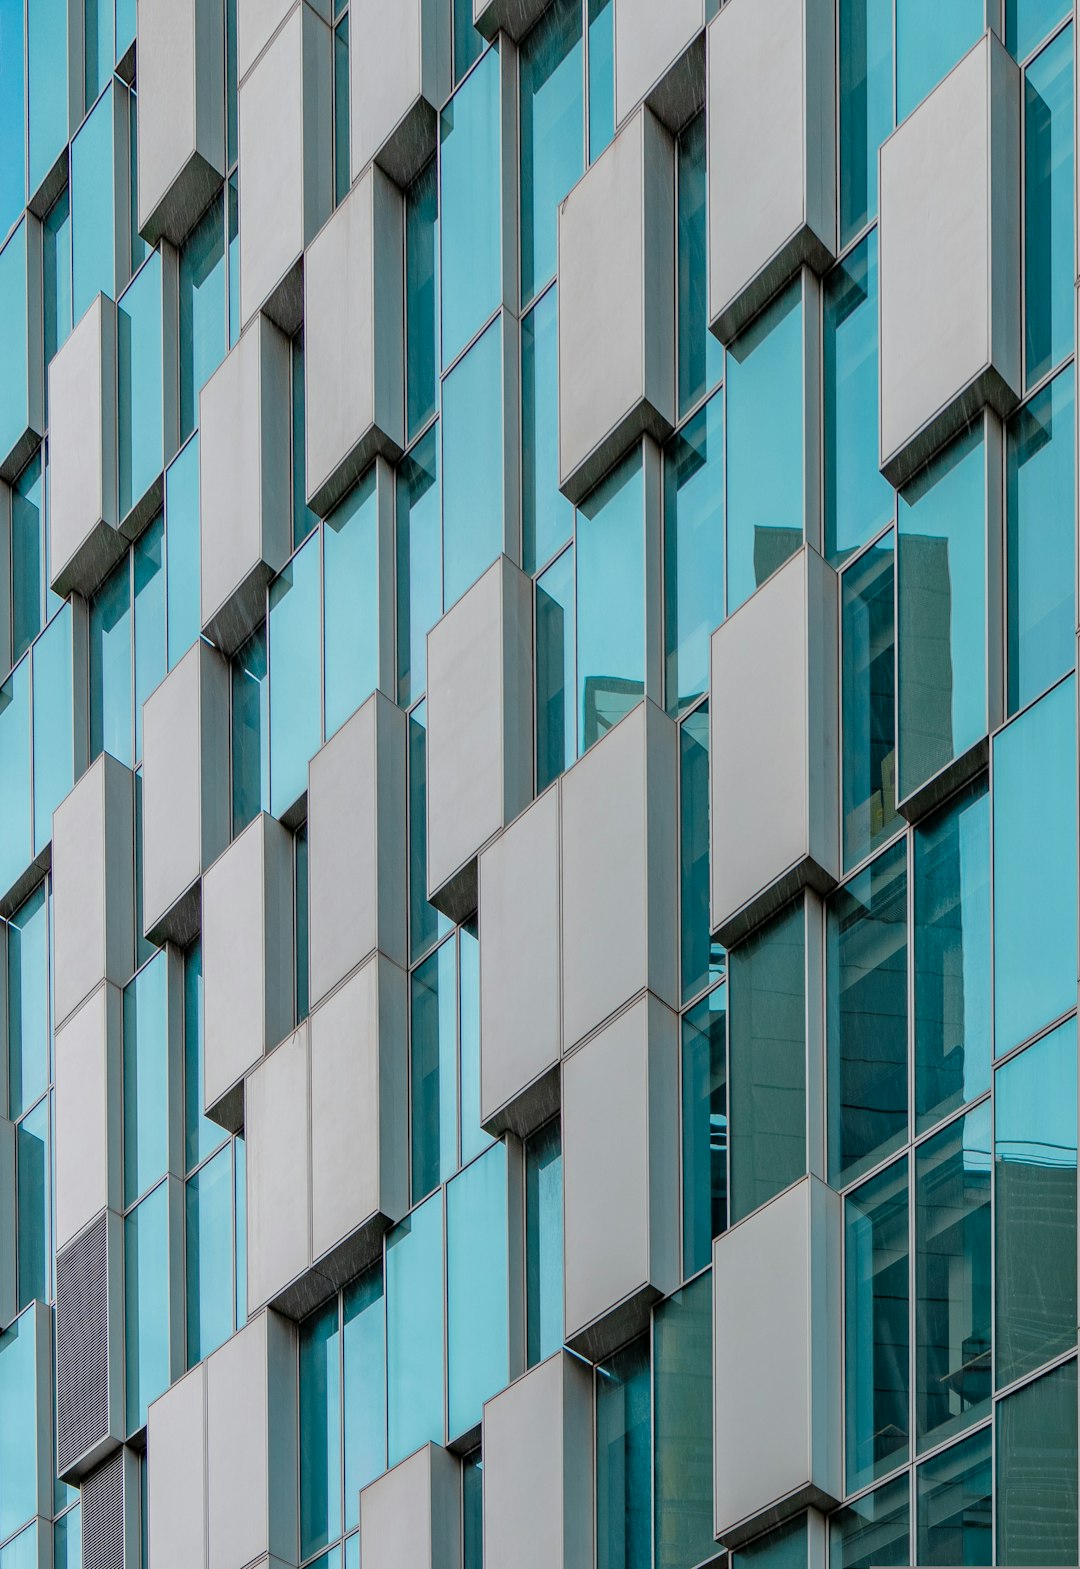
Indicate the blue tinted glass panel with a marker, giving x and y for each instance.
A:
(953, 1507)
(552, 137)
(601, 76)
(146, 1079)
(426, 924)
(859, 500)
(125, 27)
(54, 726)
(304, 520)
(27, 551)
(12, 115)
(201, 1136)
(623, 1460)
(611, 600)
(341, 110)
(683, 1427)
(1034, 761)
(1035, 1204)
(704, 1128)
(470, 207)
(467, 41)
(293, 623)
(472, 1510)
(1041, 597)
(874, 1530)
(19, 1352)
(202, 310)
(473, 1137)
(351, 603)
(300, 921)
(209, 1257)
(147, 1297)
(46, 48)
(250, 732)
(139, 249)
(110, 667)
(477, 1276)
(15, 773)
(930, 39)
(240, 1177)
(472, 464)
(99, 45)
(22, 1553)
(765, 482)
(433, 1081)
(67, 1540)
(28, 1002)
(56, 273)
(866, 105)
(182, 551)
(702, 959)
(151, 663)
(320, 1429)
(234, 260)
(32, 1166)
(547, 518)
(876, 1325)
(1027, 22)
(952, 956)
(556, 679)
(14, 412)
(941, 606)
(93, 221)
(414, 1330)
(701, 358)
(422, 296)
(1035, 1454)
(693, 552)
(543, 1243)
(1049, 240)
(869, 701)
(363, 1314)
(419, 563)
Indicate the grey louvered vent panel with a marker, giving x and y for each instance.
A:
(103, 1516)
(82, 1345)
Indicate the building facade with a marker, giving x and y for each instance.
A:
(538, 784)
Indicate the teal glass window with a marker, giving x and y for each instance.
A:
(94, 262)
(46, 52)
(1049, 227)
(704, 1128)
(146, 1079)
(951, 873)
(953, 1286)
(363, 1318)
(182, 551)
(866, 1004)
(953, 1508)
(1035, 1204)
(351, 603)
(201, 1136)
(683, 1427)
(601, 76)
(294, 660)
(765, 483)
(930, 39)
(54, 726)
(767, 1064)
(467, 41)
(147, 1303)
(28, 1002)
(210, 1249)
(320, 1429)
(33, 1166)
(866, 107)
(610, 561)
(15, 832)
(304, 520)
(876, 1329)
(67, 1540)
(27, 556)
(624, 1459)
(125, 27)
(139, 250)
(1028, 22)
(1034, 776)
(421, 297)
(56, 274)
(693, 552)
(473, 1138)
(556, 665)
(434, 1078)
(300, 922)
(99, 45)
(1040, 477)
(414, 1331)
(472, 463)
(426, 924)
(234, 259)
(859, 500)
(341, 110)
(472, 1510)
(941, 610)
(547, 518)
(702, 959)
(470, 206)
(111, 673)
(478, 1284)
(700, 355)
(12, 117)
(543, 1243)
(23, 1552)
(419, 562)
(203, 339)
(868, 700)
(19, 1353)
(784, 1547)
(14, 347)
(552, 135)
(873, 1531)
(1035, 1457)
(250, 732)
(151, 653)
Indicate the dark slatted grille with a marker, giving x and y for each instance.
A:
(103, 1517)
(82, 1345)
